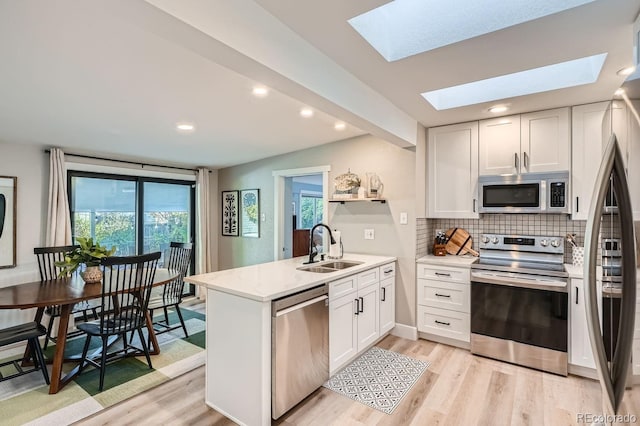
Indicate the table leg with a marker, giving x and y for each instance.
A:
(152, 335)
(57, 382)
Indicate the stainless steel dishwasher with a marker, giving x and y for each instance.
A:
(299, 347)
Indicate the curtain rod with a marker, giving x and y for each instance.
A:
(47, 151)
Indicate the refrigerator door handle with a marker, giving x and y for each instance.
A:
(612, 379)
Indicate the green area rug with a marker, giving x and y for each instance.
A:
(25, 399)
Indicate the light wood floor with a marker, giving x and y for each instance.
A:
(457, 389)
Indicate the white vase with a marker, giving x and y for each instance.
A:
(92, 274)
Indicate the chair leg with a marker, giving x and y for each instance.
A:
(166, 315)
(145, 348)
(48, 336)
(84, 316)
(41, 361)
(103, 362)
(184, 327)
(84, 353)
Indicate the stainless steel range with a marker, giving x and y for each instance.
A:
(519, 301)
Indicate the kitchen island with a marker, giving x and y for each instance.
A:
(238, 336)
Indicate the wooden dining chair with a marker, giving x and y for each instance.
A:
(29, 332)
(126, 289)
(179, 258)
(47, 257)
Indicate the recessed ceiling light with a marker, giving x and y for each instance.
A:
(260, 91)
(626, 71)
(403, 28)
(185, 127)
(498, 109)
(619, 92)
(551, 77)
(306, 112)
(340, 126)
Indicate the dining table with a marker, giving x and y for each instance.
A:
(66, 292)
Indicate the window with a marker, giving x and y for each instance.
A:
(310, 210)
(135, 214)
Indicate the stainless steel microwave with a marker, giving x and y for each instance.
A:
(528, 193)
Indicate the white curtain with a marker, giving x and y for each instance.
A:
(58, 215)
(204, 250)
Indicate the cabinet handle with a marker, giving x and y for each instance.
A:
(515, 161)
(442, 274)
(442, 322)
(474, 205)
(384, 294)
(357, 306)
(526, 160)
(388, 271)
(361, 304)
(443, 295)
(576, 295)
(577, 204)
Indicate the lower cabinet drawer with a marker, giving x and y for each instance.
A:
(451, 324)
(445, 295)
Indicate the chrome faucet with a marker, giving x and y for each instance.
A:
(312, 248)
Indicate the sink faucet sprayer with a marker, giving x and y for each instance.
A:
(312, 248)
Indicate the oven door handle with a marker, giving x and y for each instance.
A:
(515, 282)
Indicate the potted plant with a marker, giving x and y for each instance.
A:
(89, 253)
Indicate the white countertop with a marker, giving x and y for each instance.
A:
(464, 261)
(268, 281)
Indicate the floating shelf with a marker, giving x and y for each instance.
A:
(351, 200)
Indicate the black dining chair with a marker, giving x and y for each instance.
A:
(47, 257)
(179, 258)
(29, 332)
(126, 288)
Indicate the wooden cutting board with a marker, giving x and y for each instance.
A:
(459, 242)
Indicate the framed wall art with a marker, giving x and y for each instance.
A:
(8, 191)
(230, 225)
(250, 213)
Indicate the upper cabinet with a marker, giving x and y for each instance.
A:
(527, 143)
(633, 158)
(452, 170)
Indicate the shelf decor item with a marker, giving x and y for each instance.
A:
(88, 253)
(7, 221)
(230, 223)
(250, 213)
(346, 185)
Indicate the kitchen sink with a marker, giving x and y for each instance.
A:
(318, 269)
(327, 267)
(340, 264)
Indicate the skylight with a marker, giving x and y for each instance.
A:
(403, 28)
(536, 80)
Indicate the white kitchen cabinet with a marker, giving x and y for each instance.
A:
(359, 315)
(452, 158)
(499, 145)
(587, 123)
(633, 160)
(580, 353)
(343, 331)
(387, 298)
(545, 141)
(444, 294)
(527, 143)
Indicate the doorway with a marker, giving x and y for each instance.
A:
(300, 201)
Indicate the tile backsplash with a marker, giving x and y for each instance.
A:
(517, 224)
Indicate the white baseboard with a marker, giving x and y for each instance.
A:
(405, 331)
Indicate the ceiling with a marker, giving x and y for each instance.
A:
(113, 77)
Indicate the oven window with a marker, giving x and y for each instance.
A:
(533, 317)
(520, 195)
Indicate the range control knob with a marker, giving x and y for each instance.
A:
(485, 239)
(495, 240)
(555, 243)
(544, 243)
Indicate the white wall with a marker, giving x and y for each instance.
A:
(396, 168)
